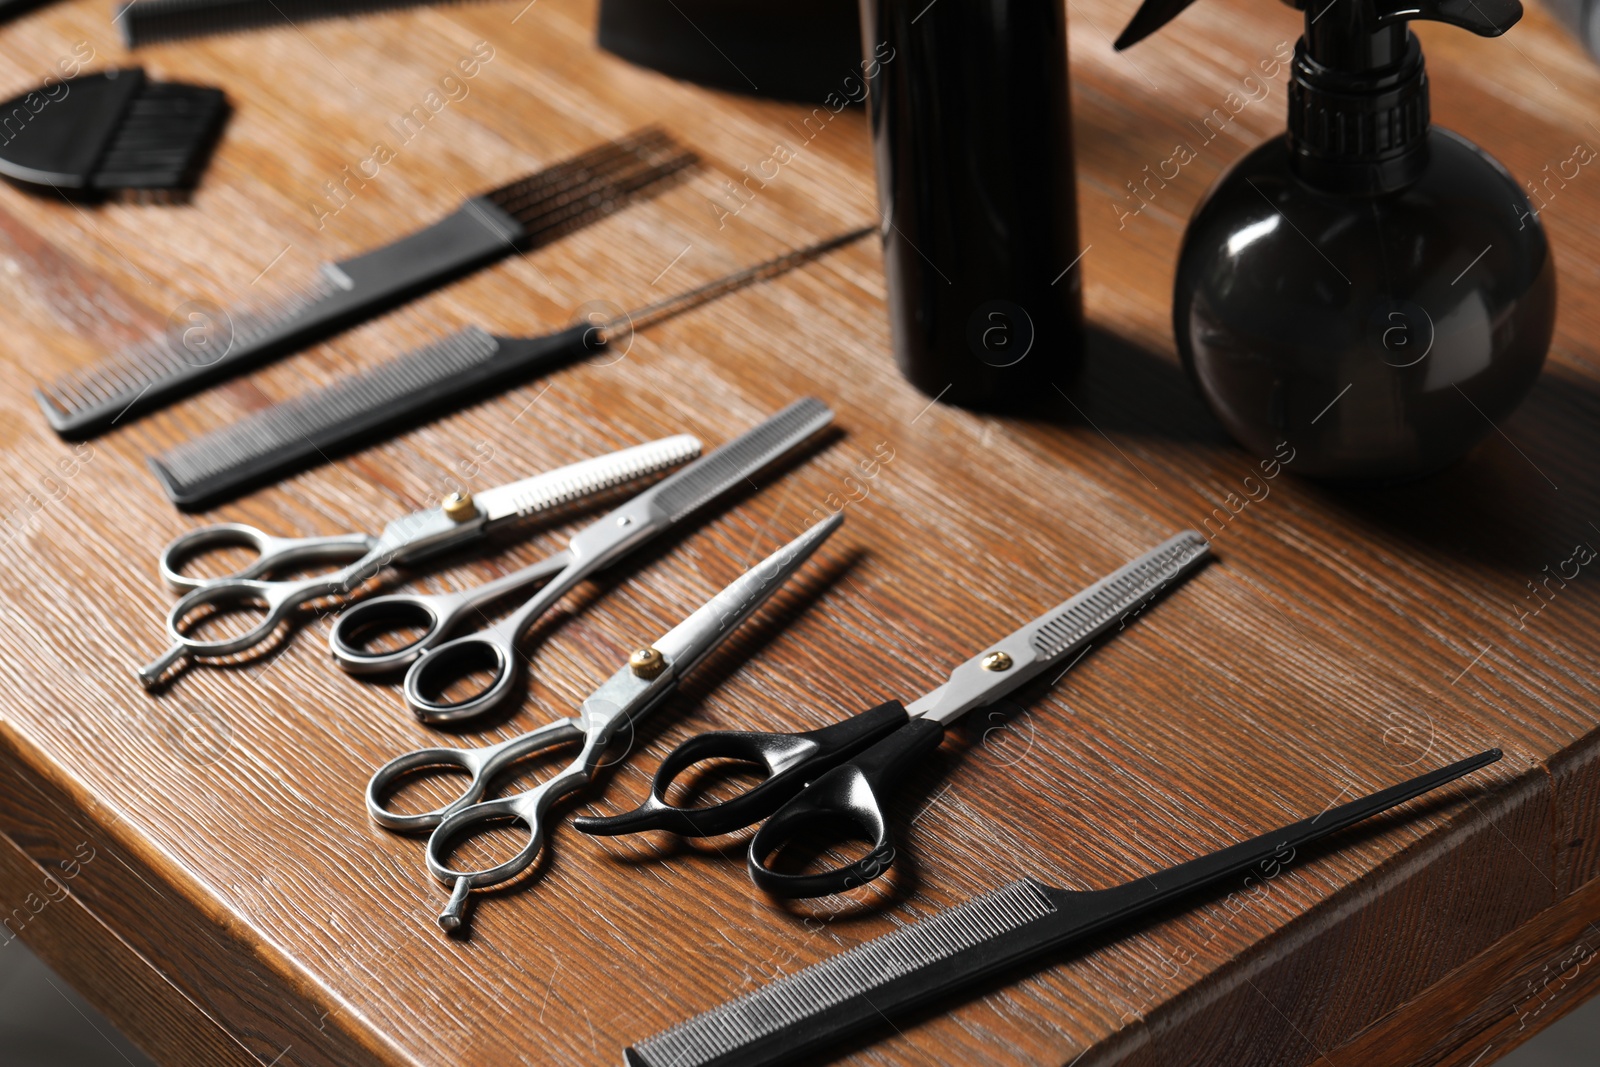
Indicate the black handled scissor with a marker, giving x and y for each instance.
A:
(836, 776)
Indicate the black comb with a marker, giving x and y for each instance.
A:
(147, 21)
(316, 426)
(523, 214)
(12, 8)
(111, 132)
(953, 949)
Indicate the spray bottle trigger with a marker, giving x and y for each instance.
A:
(1486, 18)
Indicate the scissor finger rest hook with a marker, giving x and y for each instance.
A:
(767, 752)
(790, 760)
(528, 808)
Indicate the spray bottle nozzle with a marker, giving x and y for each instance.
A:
(1486, 18)
(1358, 93)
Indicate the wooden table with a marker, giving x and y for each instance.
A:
(199, 863)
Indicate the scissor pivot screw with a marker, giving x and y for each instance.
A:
(997, 661)
(647, 662)
(458, 507)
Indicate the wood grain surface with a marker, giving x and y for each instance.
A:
(236, 906)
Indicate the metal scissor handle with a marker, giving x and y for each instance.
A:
(437, 615)
(469, 814)
(492, 651)
(271, 552)
(790, 760)
(529, 808)
(276, 599)
(481, 765)
(848, 795)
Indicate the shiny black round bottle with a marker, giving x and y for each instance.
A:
(1375, 299)
(973, 136)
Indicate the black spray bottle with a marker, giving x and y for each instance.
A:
(973, 135)
(1369, 288)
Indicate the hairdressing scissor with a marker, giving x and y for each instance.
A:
(459, 519)
(493, 651)
(834, 779)
(651, 674)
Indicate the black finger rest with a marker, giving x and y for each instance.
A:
(851, 793)
(790, 761)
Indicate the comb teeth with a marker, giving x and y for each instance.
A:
(124, 375)
(597, 183)
(164, 138)
(690, 488)
(600, 474)
(726, 1029)
(1120, 593)
(308, 416)
(546, 205)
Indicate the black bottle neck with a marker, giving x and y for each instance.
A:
(1358, 106)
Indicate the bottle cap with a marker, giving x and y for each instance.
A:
(1358, 98)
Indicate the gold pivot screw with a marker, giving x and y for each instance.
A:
(997, 661)
(647, 662)
(458, 507)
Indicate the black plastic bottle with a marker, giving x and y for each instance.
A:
(973, 135)
(1369, 288)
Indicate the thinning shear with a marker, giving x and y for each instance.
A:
(651, 674)
(834, 778)
(493, 652)
(459, 519)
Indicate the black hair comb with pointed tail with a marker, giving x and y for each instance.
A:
(112, 132)
(956, 948)
(318, 425)
(212, 346)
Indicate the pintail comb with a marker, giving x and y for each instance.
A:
(210, 347)
(112, 132)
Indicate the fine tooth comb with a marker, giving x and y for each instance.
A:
(313, 427)
(525, 213)
(111, 132)
(956, 948)
(148, 21)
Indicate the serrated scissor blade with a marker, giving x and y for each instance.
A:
(589, 477)
(1064, 631)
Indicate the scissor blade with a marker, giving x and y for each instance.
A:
(710, 477)
(1064, 631)
(687, 643)
(586, 478)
